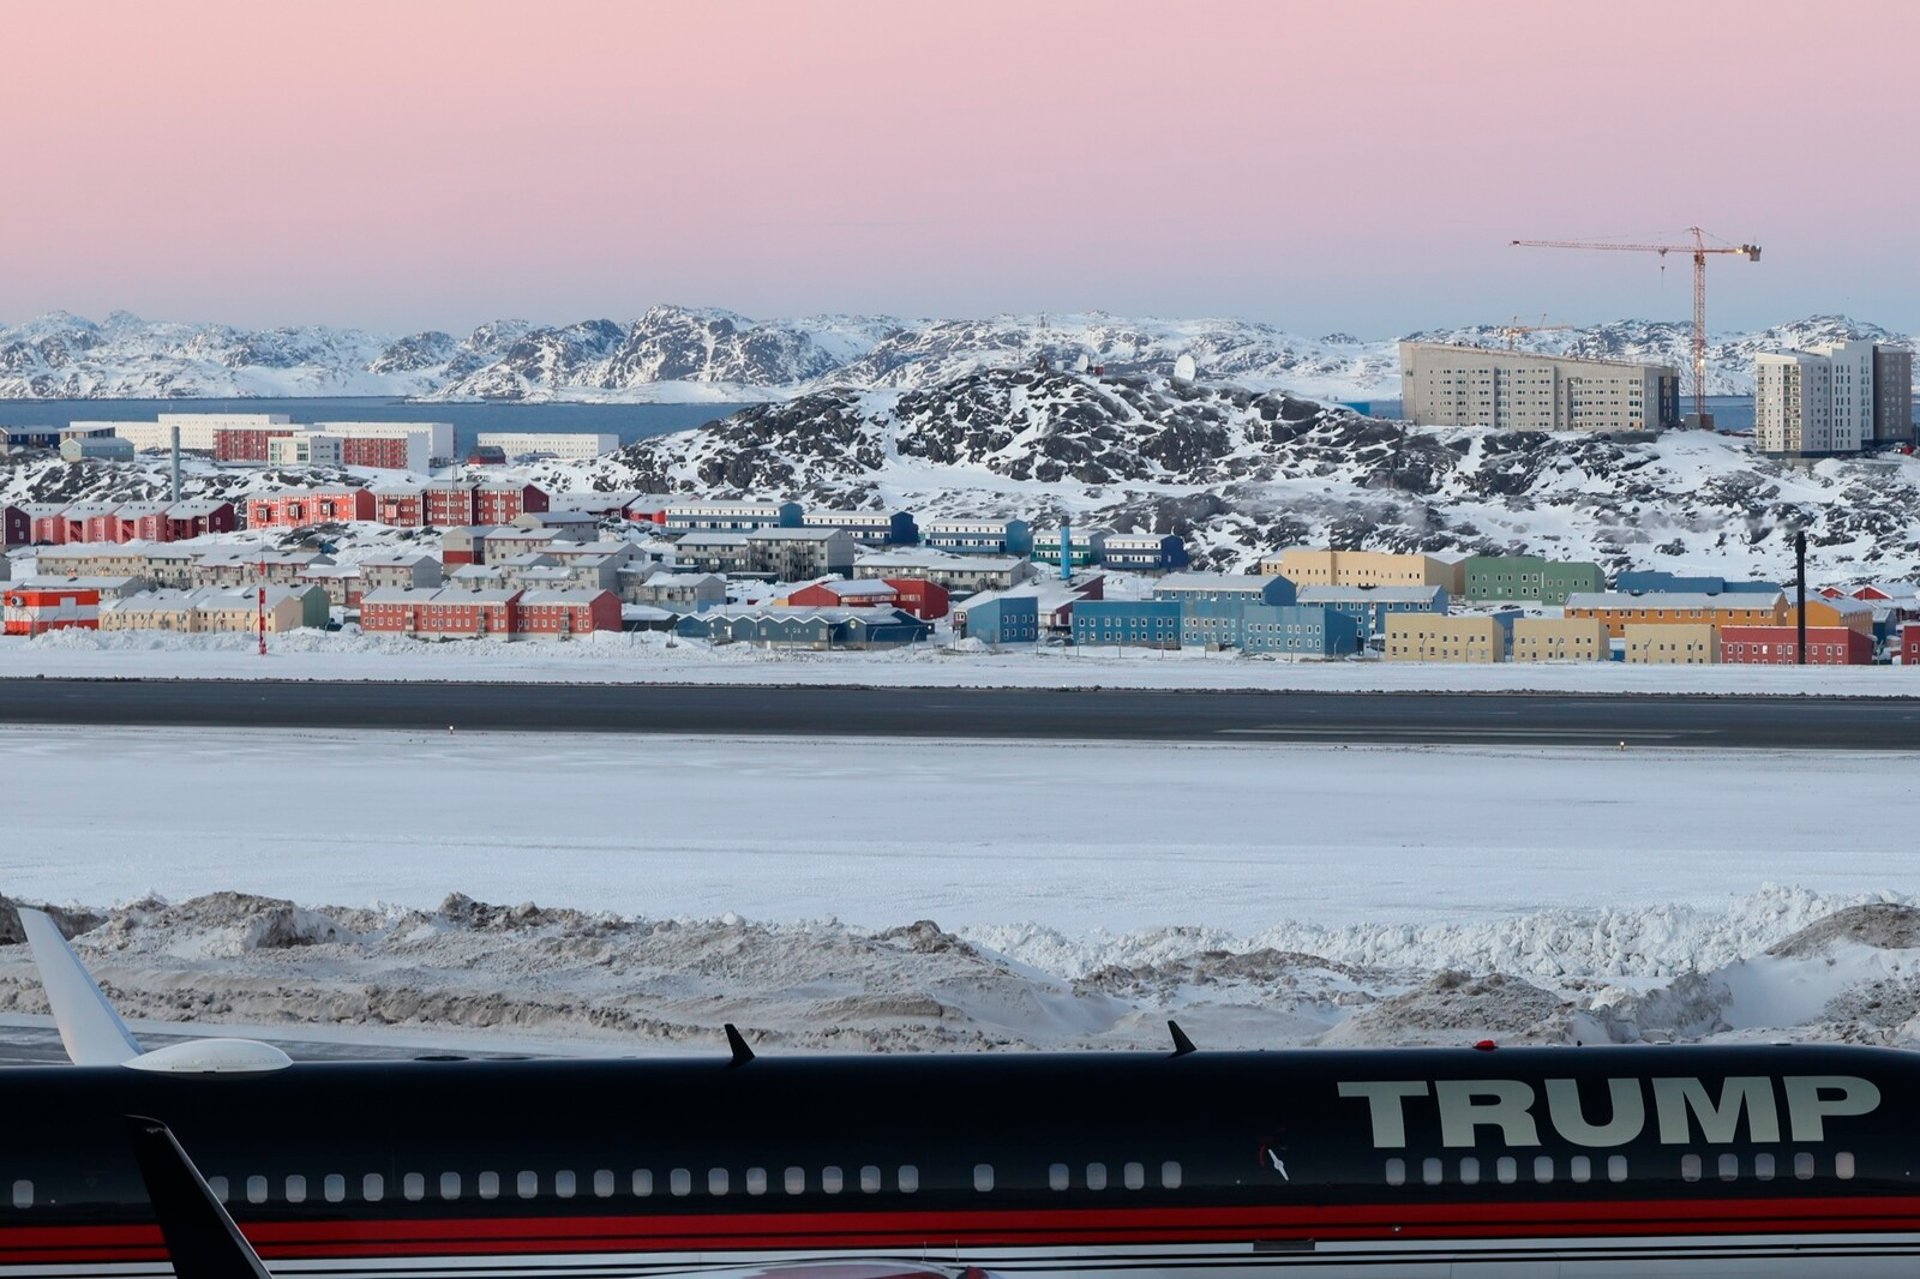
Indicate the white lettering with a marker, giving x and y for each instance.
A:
(1570, 1120)
(1807, 1110)
(1719, 1121)
(1386, 1107)
(1508, 1106)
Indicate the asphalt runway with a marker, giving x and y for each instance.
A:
(1806, 723)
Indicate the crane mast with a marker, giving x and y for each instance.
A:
(1699, 250)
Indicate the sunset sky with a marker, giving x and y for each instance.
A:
(1347, 165)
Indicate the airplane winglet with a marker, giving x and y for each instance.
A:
(89, 1027)
(737, 1045)
(1181, 1044)
(202, 1241)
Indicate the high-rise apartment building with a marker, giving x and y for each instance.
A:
(1840, 397)
(1444, 385)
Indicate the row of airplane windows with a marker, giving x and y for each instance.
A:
(1580, 1168)
(604, 1183)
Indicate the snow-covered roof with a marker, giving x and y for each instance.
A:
(661, 577)
(785, 612)
(907, 558)
(399, 559)
(851, 590)
(1730, 601)
(711, 537)
(1237, 582)
(792, 534)
(1368, 594)
(475, 573)
(47, 582)
(439, 595)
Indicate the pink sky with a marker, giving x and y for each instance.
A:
(1343, 165)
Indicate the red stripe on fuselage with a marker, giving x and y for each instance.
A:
(749, 1232)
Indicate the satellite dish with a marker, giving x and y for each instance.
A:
(1183, 369)
(1082, 364)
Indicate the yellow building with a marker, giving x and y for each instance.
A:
(209, 610)
(1304, 566)
(1561, 639)
(1855, 615)
(1673, 643)
(1430, 637)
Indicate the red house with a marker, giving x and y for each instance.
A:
(90, 522)
(47, 524)
(1910, 644)
(385, 452)
(16, 526)
(245, 443)
(297, 508)
(451, 505)
(200, 516)
(925, 600)
(838, 593)
(1780, 645)
(399, 505)
(142, 522)
(27, 610)
(442, 614)
(560, 614)
(504, 503)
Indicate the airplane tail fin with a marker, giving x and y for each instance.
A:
(89, 1027)
(202, 1241)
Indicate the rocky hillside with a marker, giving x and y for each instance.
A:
(685, 354)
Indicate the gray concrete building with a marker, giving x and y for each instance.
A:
(1892, 395)
(1443, 385)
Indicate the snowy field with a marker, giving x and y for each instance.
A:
(874, 894)
(651, 659)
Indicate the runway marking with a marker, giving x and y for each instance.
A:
(1598, 734)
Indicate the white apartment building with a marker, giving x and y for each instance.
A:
(562, 444)
(1443, 385)
(438, 436)
(1835, 398)
(196, 429)
(309, 448)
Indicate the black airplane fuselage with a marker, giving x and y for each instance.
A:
(1768, 1160)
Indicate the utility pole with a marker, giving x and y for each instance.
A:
(1800, 590)
(263, 606)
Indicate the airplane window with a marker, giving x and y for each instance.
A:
(756, 1181)
(527, 1184)
(1580, 1168)
(1396, 1172)
(1505, 1170)
(256, 1190)
(218, 1185)
(831, 1180)
(1616, 1167)
(373, 1187)
(1096, 1176)
(489, 1185)
(1430, 1171)
(717, 1181)
(1690, 1167)
(449, 1185)
(1134, 1176)
(680, 1181)
(1057, 1177)
(333, 1187)
(983, 1177)
(1170, 1175)
(1469, 1171)
(1763, 1167)
(23, 1194)
(414, 1186)
(869, 1179)
(642, 1183)
(1543, 1168)
(796, 1179)
(296, 1189)
(1843, 1165)
(603, 1183)
(909, 1179)
(563, 1184)
(1729, 1167)
(1803, 1166)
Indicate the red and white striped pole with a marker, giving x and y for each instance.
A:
(263, 608)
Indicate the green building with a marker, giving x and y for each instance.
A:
(1529, 577)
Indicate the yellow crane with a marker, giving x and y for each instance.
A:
(1699, 249)
(1513, 329)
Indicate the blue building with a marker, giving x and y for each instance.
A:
(1151, 552)
(1087, 547)
(1212, 604)
(978, 537)
(1299, 630)
(816, 628)
(731, 517)
(1646, 580)
(868, 528)
(1133, 623)
(1369, 606)
(998, 617)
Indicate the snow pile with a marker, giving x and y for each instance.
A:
(629, 983)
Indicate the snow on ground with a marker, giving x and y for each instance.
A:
(655, 659)
(862, 894)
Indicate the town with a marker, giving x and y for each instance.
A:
(504, 559)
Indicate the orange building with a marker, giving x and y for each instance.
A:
(1853, 615)
(35, 610)
(1672, 608)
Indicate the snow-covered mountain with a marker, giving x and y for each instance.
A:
(711, 356)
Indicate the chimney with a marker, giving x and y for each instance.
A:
(176, 464)
(1800, 592)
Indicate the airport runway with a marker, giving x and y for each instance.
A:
(1048, 714)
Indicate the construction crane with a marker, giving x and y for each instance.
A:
(1513, 329)
(1699, 249)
